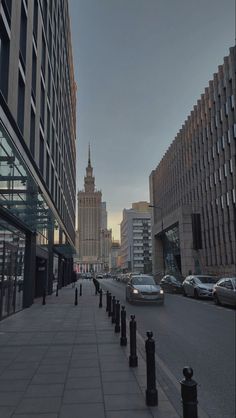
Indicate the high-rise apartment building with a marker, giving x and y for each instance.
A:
(136, 242)
(193, 188)
(37, 150)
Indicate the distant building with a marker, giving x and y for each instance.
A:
(114, 259)
(106, 239)
(193, 187)
(136, 244)
(89, 223)
(37, 151)
(103, 215)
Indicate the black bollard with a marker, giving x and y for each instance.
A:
(117, 319)
(100, 298)
(57, 290)
(151, 392)
(133, 359)
(113, 313)
(76, 296)
(107, 296)
(44, 297)
(123, 338)
(109, 305)
(189, 394)
(80, 289)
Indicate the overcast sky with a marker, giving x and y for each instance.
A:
(140, 66)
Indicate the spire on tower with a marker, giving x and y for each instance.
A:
(89, 159)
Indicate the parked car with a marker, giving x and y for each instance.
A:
(199, 286)
(224, 291)
(143, 288)
(171, 284)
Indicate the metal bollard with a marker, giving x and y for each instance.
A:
(133, 359)
(76, 296)
(109, 305)
(189, 394)
(151, 392)
(100, 298)
(57, 290)
(113, 313)
(80, 289)
(117, 318)
(123, 338)
(107, 296)
(44, 297)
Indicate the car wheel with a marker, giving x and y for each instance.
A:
(216, 299)
(196, 295)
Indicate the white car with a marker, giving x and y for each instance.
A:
(199, 286)
(143, 288)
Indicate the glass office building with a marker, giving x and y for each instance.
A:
(37, 151)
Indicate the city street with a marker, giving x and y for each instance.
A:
(195, 333)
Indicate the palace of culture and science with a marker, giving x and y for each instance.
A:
(94, 239)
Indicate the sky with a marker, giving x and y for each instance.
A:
(140, 67)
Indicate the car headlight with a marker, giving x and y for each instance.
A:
(135, 291)
(161, 292)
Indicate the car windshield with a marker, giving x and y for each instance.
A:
(206, 279)
(141, 280)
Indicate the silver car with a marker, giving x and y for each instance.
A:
(199, 286)
(143, 288)
(225, 291)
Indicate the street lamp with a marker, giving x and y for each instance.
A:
(162, 233)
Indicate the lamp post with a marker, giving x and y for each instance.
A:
(162, 233)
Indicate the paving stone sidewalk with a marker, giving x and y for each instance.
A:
(64, 361)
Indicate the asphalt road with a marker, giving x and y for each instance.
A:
(190, 332)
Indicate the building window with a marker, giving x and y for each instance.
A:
(42, 104)
(34, 73)
(4, 60)
(23, 35)
(6, 4)
(232, 101)
(21, 103)
(234, 130)
(35, 23)
(41, 154)
(48, 125)
(43, 56)
(223, 142)
(32, 133)
(47, 169)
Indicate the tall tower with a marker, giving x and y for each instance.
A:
(89, 221)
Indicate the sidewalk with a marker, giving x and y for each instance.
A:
(65, 361)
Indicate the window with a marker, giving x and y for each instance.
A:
(41, 154)
(43, 56)
(47, 169)
(223, 142)
(42, 104)
(225, 170)
(48, 125)
(21, 103)
(234, 130)
(32, 132)
(23, 35)
(6, 4)
(35, 23)
(232, 101)
(4, 60)
(34, 73)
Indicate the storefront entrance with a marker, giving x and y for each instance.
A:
(12, 250)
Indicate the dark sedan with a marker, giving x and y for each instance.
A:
(171, 284)
(143, 288)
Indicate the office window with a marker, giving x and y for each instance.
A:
(223, 142)
(47, 169)
(48, 125)
(52, 181)
(6, 4)
(21, 103)
(23, 35)
(234, 130)
(32, 133)
(41, 154)
(4, 60)
(35, 22)
(43, 56)
(232, 101)
(34, 73)
(42, 105)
